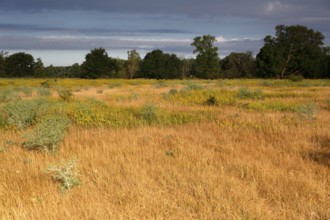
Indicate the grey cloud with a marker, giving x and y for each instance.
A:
(87, 43)
(211, 8)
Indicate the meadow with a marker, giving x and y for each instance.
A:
(164, 149)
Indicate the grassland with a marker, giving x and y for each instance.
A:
(157, 149)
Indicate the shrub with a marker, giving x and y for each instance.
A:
(47, 134)
(211, 101)
(65, 94)
(20, 114)
(193, 86)
(246, 93)
(66, 174)
(43, 91)
(99, 91)
(307, 111)
(45, 84)
(149, 113)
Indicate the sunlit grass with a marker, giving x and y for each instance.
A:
(157, 149)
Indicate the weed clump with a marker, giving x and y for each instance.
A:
(20, 114)
(47, 134)
(65, 95)
(149, 113)
(307, 111)
(211, 101)
(66, 174)
(246, 93)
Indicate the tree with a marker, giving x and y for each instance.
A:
(207, 60)
(2, 63)
(237, 65)
(159, 65)
(294, 50)
(39, 70)
(19, 65)
(97, 64)
(133, 62)
(74, 70)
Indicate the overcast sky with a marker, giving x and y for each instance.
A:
(61, 32)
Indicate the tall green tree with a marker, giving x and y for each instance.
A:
(133, 62)
(19, 65)
(98, 64)
(39, 69)
(159, 65)
(2, 63)
(207, 60)
(294, 50)
(238, 65)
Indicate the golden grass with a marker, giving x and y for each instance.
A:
(244, 164)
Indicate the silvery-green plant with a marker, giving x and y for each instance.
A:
(65, 173)
(47, 134)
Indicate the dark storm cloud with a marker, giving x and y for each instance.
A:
(242, 8)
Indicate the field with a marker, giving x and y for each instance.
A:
(158, 149)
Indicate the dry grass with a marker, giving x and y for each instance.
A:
(245, 164)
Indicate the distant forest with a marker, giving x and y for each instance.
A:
(294, 51)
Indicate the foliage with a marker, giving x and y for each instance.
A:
(133, 62)
(246, 93)
(65, 173)
(149, 113)
(98, 64)
(159, 65)
(294, 50)
(19, 65)
(39, 70)
(211, 101)
(2, 63)
(307, 111)
(48, 133)
(20, 114)
(238, 65)
(207, 60)
(65, 94)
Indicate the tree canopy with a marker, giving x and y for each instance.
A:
(160, 65)
(294, 50)
(98, 64)
(19, 65)
(237, 65)
(207, 60)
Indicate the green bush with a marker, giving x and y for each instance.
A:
(66, 174)
(47, 134)
(65, 94)
(20, 114)
(246, 93)
(149, 113)
(211, 101)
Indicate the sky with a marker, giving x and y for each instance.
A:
(62, 32)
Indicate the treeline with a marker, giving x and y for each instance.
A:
(293, 51)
